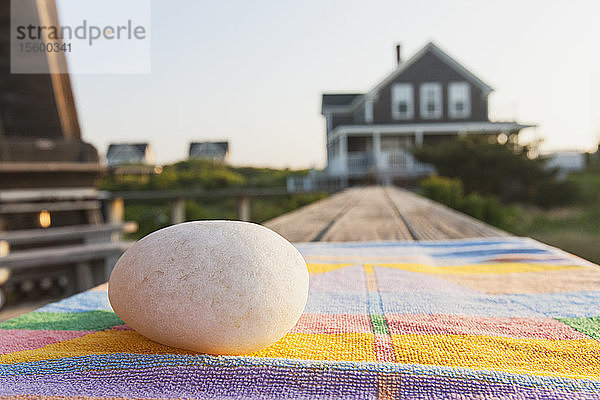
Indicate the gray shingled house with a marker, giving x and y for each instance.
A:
(427, 99)
(218, 151)
(129, 153)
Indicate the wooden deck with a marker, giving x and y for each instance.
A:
(364, 214)
(378, 213)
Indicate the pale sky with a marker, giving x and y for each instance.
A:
(253, 72)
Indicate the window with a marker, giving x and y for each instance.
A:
(431, 100)
(459, 100)
(369, 111)
(402, 101)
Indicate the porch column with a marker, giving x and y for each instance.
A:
(377, 151)
(419, 138)
(343, 158)
(343, 153)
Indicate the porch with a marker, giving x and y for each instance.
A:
(383, 153)
(378, 157)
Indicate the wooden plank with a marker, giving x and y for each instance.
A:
(50, 206)
(434, 221)
(61, 255)
(371, 217)
(30, 236)
(309, 222)
(41, 194)
(51, 166)
(378, 213)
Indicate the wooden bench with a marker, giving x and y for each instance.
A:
(76, 252)
(79, 255)
(88, 251)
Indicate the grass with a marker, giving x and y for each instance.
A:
(580, 243)
(574, 228)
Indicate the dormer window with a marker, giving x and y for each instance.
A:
(459, 100)
(431, 100)
(402, 101)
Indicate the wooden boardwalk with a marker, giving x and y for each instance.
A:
(378, 213)
(364, 214)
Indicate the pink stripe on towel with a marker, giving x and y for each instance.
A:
(12, 340)
(520, 328)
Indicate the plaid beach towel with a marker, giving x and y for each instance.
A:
(485, 318)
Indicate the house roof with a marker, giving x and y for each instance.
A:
(451, 62)
(122, 153)
(429, 48)
(117, 147)
(342, 99)
(198, 148)
(338, 101)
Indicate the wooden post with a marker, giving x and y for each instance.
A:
(116, 215)
(244, 208)
(177, 211)
(4, 272)
(116, 210)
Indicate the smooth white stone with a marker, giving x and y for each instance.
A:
(217, 287)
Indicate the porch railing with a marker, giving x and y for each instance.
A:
(397, 163)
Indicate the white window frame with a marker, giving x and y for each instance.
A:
(459, 92)
(369, 111)
(403, 92)
(426, 88)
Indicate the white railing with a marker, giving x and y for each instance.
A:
(393, 163)
(361, 162)
(403, 163)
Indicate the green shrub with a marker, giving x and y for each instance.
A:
(475, 205)
(556, 194)
(505, 171)
(448, 191)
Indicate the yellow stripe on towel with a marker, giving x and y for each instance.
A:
(333, 347)
(567, 358)
(315, 268)
(501, 268)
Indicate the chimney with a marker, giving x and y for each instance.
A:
(398, 54)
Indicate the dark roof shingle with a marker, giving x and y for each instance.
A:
(344, 99)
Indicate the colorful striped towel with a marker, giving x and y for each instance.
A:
(489, 318)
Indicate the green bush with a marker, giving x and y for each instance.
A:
(505, 171)
(556, 194)
(475, 205)
(447, 191)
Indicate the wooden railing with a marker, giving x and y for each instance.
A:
(115, 200)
